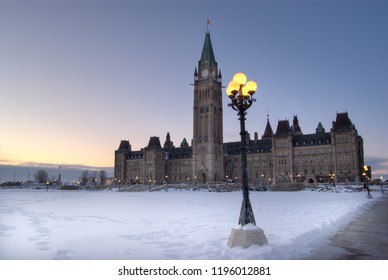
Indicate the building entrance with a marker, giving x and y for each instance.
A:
(203, 178)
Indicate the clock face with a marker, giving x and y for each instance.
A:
(204, 73)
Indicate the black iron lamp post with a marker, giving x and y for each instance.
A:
(240, 93)
(247, 233)
(366, 178)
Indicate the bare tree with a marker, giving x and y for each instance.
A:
(84, 178)
(102, 176)
(41, 176)
(93, 177)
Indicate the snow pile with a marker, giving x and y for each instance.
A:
(246, 227)
(335, 188)
(178, 224)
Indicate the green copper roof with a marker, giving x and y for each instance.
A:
(207, 51)
(320, 128)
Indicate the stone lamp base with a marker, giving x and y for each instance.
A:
(246, 236)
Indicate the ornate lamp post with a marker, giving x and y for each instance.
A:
(240, 93)
(366, 179)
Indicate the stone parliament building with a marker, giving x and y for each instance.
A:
(287, 155)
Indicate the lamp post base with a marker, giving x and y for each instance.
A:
(246, 236)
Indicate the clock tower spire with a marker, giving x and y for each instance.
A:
(207, 118)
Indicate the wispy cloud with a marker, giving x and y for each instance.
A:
(67, 166)
(379, 165)
(8, 162)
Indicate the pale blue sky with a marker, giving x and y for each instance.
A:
(76, 77)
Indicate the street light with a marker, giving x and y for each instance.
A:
(332, 176)
(366, 178)
(240, 93)
(381, 184)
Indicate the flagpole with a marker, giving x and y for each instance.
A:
(207, 26)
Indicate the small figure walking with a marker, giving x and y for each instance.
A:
(381, 185)
(366, 187)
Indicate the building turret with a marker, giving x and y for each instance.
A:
(320, 128)
(154, 143)
(283, 128)
(184, 143)
(121, 155)
(154, 162)
(268, 133)
(295, 126)
(342, 122)
(219, 76)
(168, 144)
(348, 155)
(124, 146)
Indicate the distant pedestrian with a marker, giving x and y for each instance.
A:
(382, 186)
(366, 187)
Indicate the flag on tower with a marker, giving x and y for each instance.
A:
(207, 26)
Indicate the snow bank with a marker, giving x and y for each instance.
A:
(35, 224)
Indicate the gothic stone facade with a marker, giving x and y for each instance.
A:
(287, 155)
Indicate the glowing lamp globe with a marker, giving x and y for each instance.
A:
(240, 78)
(229, 92)
(232, 88)
(245, 92)
(251, 87)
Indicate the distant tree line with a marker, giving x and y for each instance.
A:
(86, 178)
(93, 178)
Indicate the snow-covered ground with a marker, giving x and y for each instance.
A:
(35, 224)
